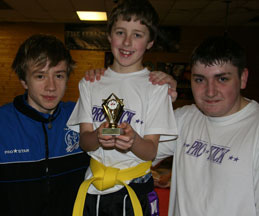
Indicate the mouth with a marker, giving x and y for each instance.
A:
(125, 53)
(212, 102)
(49, 98)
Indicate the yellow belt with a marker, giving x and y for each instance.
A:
(106, 177)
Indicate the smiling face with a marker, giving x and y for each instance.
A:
(45, 86)
(216, 89)
(129, 41)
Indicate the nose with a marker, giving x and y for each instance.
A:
(211, 89)
(50, 84)
(127, 40)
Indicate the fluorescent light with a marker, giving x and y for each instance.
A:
(92, 16)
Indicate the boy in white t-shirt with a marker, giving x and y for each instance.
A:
(216, 156)
(119, 181)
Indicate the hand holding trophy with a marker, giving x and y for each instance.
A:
(113, 109)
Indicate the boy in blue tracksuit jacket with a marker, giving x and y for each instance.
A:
(41, 163)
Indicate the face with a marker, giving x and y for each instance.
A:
(46, 86)
(129, 41)
(216, 89)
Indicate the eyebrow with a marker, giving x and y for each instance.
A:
(216, 75)
(223, 74)
(61, 71)
(44, 72)
(123, 28)
(38, 71)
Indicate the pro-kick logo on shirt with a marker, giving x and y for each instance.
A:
(99, 116)
(213, 153)
(72, 140)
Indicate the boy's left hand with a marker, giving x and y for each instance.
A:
(126, 140)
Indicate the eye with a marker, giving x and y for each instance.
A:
(39, 76)
(223, 79)
(61, 76)
(137, 35)
(198, 79)
(119, 32)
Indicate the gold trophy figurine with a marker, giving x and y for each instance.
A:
(113, 109)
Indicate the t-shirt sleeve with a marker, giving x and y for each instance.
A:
(256, 179)
(82, 110)
(160, 114)
(167, 148)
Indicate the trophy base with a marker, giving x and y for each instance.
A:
(112, 131)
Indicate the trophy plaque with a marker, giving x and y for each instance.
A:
(113, 109)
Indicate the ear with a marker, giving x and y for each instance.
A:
(24, 84)
(244, 77)
(150, 44)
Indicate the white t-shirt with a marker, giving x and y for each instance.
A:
(147, 108)
(216, 163)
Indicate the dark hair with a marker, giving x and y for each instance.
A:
(141, 10)
(37, 50)
(219, 50)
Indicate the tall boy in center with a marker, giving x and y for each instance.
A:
(119, 177)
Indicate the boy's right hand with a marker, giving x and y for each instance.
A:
(105, 141)
(94, 74)
(161, 78)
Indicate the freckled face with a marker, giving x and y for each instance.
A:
(129, 41)
(46, 86)
(216, 89)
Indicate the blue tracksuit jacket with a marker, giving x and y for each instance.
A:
(41, 163)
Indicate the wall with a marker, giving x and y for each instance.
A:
(12, 35)
(191, 36)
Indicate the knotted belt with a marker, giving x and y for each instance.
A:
(106, 177)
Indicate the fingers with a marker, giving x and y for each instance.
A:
(126, 141)
(102, 70)
(123, 142)
(171, 82)
(90, 75)
(173, 93)
(161, 78)
(94, 74)
(172, 90)
(99, 73)
(105, 141)
(156, 76)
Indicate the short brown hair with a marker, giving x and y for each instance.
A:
(142, 10)
(38, 49)
(216, 50)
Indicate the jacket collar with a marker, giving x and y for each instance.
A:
(20, 103)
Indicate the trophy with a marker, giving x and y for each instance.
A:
(113, 108)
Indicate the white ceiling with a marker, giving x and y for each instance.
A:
(171, 12)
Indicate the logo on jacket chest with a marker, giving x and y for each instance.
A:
(72, 140)
(16, 151)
